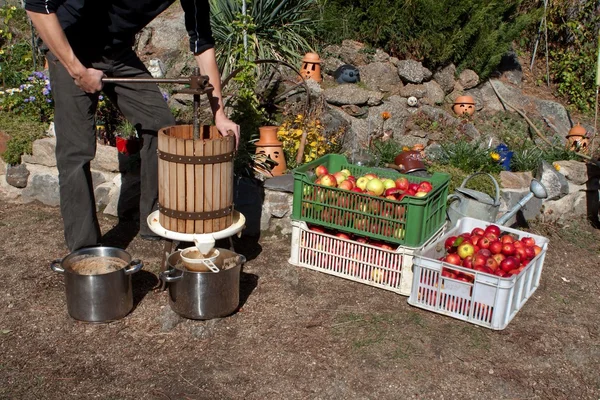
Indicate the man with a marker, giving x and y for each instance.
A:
(88, 40)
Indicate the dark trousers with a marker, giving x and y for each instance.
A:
(74, 118)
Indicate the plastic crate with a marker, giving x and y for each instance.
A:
(489, 301)
(349, 259)
(410, 222)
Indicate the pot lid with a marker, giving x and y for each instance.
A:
(478, 196)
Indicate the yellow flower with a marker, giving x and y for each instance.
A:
(556, 166)
(386, 115)
(495, 156)
(13, 8)
(1, 51)
(405, 148)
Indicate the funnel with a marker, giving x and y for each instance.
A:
(536, 189)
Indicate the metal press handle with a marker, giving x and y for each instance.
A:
(497, 200)
(55, 266)
(135, 268)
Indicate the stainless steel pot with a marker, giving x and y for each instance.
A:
(98, 298)
(204, 295)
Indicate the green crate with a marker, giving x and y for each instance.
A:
(410, 222)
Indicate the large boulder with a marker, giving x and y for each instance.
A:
(411, 71)
(446, 78)
(43, 186)
(434, 94)
(349, 52)
(352, 94)
(380, 76)
(574, 171)
(515, 180)
(106, 159)
(565, 208)
(555, 183)
(468, 79)
(43, 152)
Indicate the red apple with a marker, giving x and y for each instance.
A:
(321, 170)
(484, 243)
(475, 239)
(343, 235)
(448, 274)
(508, 249)
(370, 176)
(402, 183)
(357, 189)
(413, 187)
(352, 179)
(478, 231)
(499, 272)
(518, 244)
(529, 252)
(361, 240)
(425, 187)
(346, 185)
(468, 262)
(485, 252)
(485, 269)
(491, 236)
(491, 263)
(528, 241)
(507, 239)
(453, 259)
(479, 260)
(392, 191)
(509, 263)
(328, 180)
(498, 257)
(521, 254)
(449, 244)
(339, 177)
(495, 247)
(493, 229)
(537, 249)
(317, 229)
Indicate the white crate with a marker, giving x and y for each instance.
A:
(489, 301)
(349, 259)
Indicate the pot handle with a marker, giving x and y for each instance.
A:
(497, 197)
(55, 266)
(165, 276)
(137, 265)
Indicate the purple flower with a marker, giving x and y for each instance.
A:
(32, 98)
(30, 78)
(22, 87)
(45, 91)
(26, 101)
(100, 97)
(39, 75)
(165, 96)
(48, 100)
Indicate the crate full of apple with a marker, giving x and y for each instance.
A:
(357, 258)
(478, 272)
(376, 203)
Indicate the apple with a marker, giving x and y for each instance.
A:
(465, 249)
(392, 192)
(518, 244)
(346, 173)
(508, 249)
(328, 180)
(485, 269)
(316, 229)
(343, 235)
(421, 194)
(357, 189)
(498, 257)
(491, 263)
(339, 177)
(453, 259)
(477, 231)
(402, 183)
(468, 262)
(321, 170)
(399, 233)
(495, 247)
(361, 240)
(493, 229)
(521, 254)
(537, 249)
(484, 242)
(375, 186)
(448, 274)
(378, 275)
(465, 235)
(491, 236)
(479, 260)
(389, 183)
(425, 187)
(362, 182)
(449, 244)
(485, 252)
(529, 252)
(475, 239)
(346, 185)
(413, 187)
(499, 272)
(352, 179)
(528, 241)
(370, 176)
(509, 263)
(507, 239)
(410, 192)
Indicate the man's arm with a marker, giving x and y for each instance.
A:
(47, 25)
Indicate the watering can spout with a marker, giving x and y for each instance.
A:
(537, 190)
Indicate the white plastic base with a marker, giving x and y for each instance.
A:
(203, 241)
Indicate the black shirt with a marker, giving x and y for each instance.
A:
(97, 26)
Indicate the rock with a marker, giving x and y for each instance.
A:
(413, 71)
(510, 68)
(17, 175)
(98, 178)
(9, 193)
(412, 90)
(477, 96)
(168, 34)
(330, 64)
(574, 171)
(352, 94)
(51, 130)
(112, 205)
(380, 76)
(445, 77)
(468, 79)
(2, 167)
(515, 180)
(205, 329)
(43, 152)
(183, 99)
(564, 209)
(349, 52)
(434, 94)
(555, 116)
(106, 159)
(43, 187)
(102, 195)
(573, 188)
(156, 68)
(277, 204)
(283, 183)
(168, 319)
(381, 56)
(555, 183)
(510, 197)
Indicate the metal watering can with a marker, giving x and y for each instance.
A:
(471, 203)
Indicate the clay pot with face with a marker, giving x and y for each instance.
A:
(311, 67)
(269, 145)
(577, 139)
(464, 105)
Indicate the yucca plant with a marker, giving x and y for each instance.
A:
(280, 30)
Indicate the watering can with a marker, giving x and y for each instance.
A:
(471, 203)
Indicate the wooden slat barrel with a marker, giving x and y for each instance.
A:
(195, 179)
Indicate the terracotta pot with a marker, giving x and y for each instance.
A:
(577, 140)
(269, 144)
(410, 161)
(311, 67)
(464, 105)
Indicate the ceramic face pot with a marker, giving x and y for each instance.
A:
(311, 67)
(269, 144)
(464, 105)
(577, 140)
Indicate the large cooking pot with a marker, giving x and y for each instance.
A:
(98, 297)
(204, 295)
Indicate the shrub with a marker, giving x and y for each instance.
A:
(471, 34)
(23, 132)
(32, 99)
(469, 157)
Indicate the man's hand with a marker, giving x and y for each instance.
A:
(89, 80)
(227, 127)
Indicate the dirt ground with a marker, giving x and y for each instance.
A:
(299, 334)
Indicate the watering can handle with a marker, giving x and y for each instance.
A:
(497, 199)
